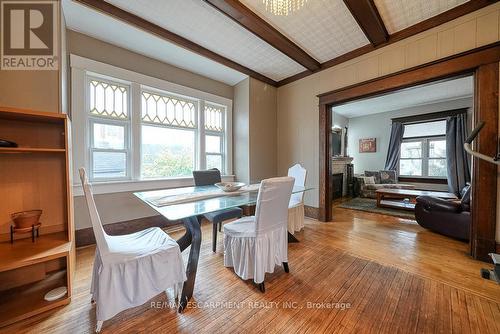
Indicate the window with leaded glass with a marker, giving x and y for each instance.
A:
(108, 129)
(168, 142)
(214, 117)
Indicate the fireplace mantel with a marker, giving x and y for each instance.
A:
(342, 160)
(339, 165)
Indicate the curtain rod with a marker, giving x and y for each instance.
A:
(430, 116)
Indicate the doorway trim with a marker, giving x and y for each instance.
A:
(483, 64)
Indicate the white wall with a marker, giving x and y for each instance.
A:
(379, 126)
(339, 120)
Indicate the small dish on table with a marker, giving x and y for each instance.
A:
(229, 186)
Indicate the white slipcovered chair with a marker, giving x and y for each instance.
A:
(130, 269)
(254, 245)
(296, 205)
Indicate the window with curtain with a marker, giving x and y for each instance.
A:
(423, 150)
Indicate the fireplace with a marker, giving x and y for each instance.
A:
(342, 165)
(337, 185)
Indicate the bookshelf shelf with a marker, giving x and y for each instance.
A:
(31, 150)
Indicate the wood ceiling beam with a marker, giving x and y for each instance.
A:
(449, 15)
(366, 14)
(253, 23)
(138, 22)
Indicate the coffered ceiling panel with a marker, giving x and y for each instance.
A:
(323, 28)
(400, 14)
(204, 25)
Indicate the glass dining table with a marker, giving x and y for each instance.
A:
(189, 212)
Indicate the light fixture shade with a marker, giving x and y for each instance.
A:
(283, 7)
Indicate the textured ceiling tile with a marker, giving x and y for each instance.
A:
(200, 23)
(400, 14)
(323, 28)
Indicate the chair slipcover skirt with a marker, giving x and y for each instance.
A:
(137, 267)
(296, 218)
(296, 204)
(242, 246)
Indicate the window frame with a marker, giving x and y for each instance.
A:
(425, 157)
(195, 129)
(220, 134)
(82, 69)
(92, 119)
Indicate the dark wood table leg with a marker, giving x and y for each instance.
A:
(379, 198)
(291, 238)
(193, 238)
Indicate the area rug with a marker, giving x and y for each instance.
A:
(370, 205)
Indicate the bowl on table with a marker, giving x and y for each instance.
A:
(229, 186)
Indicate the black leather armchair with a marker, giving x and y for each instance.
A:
(450, 218)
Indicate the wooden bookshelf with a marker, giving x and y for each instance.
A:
(35, 175)
(31, 150)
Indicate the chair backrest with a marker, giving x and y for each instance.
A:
(272, 203)
(299, 173)
(100, 234)
(206, 177)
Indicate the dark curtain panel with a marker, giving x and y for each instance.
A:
(458, 165)
(392, 161)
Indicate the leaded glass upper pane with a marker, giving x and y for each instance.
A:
(214, 118)
(108, 99)
(168, 110)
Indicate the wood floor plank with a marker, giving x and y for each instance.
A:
(396, 276)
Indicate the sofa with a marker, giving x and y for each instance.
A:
(447, 217)
(368, 183)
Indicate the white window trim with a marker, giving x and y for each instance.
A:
(80, 67)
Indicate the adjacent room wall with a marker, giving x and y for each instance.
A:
(379, 126)
(298, 115)
(339, 120)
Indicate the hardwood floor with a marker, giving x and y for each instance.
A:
(386, 274)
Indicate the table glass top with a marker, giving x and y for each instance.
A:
(199, 207)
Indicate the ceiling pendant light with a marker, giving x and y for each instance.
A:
(283, 7)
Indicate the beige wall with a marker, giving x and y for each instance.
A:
(241, 138)
(95, 49)
(254, 131)
(298, 116)
(263, 128)
(36, 90)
